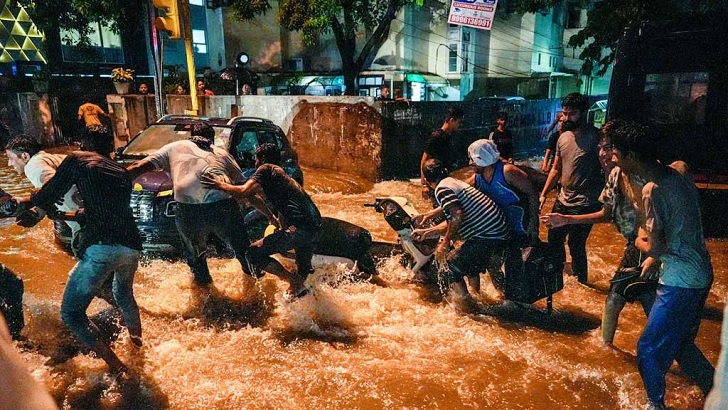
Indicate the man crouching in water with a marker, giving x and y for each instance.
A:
(110, 246)
(297, 225)
(471, 215)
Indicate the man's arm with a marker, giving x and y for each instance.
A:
(651, 238)
(100, 110)
(248, 189)
(554, 174)
(66, 175)
(553, 220)
(259, 204)
(427, 216)
(519, 179)
(454, 221)
(140, 167)
(546, 160)
(423, 181)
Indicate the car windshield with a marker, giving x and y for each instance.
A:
(156, 136)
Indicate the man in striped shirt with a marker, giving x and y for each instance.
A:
(111, 245)
(470, 215)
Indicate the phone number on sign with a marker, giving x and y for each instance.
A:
(470, 20)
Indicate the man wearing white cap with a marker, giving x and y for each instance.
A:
(503, 183)
(508, 186)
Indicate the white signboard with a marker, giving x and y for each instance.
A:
(472, 13)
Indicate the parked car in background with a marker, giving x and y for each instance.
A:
(152, 200)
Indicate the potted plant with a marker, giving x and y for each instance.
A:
(122, 78)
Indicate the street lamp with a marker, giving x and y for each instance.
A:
(240, 61)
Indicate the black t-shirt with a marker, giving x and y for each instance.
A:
(105, 187)
(553, 138)
(439, 147)
(504, 142)
(289, 199)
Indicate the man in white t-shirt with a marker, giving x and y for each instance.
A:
(201, 210)
(26, 158)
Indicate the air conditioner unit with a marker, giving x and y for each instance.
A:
(295, 64)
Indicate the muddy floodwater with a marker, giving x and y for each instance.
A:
(352, 345)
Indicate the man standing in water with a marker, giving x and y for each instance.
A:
(110, 246)
(674, 239)
(439, 147)
(470, 215)
(26, 158)
(201, 211)
(503, 183)
(298, 220)
(576, 166)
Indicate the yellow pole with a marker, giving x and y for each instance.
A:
(187, 32)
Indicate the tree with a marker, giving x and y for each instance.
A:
(607, 20)
(76, 15)
(346, 19)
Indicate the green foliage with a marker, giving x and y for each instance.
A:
(175, 75)
(122, 75)
(249, 9)
(346, 19)
(608, 18)
(78, 14)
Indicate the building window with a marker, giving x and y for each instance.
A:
(452, 61)
(198, 41)
(105, 46)
(573, 19)
(197, 3)
(465, 51)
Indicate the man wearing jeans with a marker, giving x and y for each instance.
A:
(111, 244)
(674, 238)
(576, 166)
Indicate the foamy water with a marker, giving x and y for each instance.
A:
(349, 345)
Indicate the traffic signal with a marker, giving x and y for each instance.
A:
(170, 22)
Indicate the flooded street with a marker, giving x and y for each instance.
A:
(352, 345)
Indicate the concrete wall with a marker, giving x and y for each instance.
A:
(32, 114)
(371, 139)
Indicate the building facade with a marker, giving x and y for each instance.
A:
(523, 54)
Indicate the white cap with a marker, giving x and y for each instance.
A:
(483, 152)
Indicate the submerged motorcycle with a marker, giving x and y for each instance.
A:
(531, 273)
(339, 242)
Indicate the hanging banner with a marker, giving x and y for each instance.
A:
(472, 13)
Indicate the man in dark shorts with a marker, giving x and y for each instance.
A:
(289, 209)
(470, 215)
(439, 147)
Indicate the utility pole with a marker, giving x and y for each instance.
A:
(187, 34)
(175, 21)
(159, 96)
